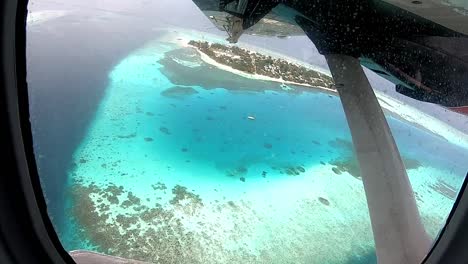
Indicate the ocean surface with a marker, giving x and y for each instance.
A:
(147, 152)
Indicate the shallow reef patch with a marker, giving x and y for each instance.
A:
(179, 92)
(324, 201)
(238, 171)
(349, 163)
(157, 233)
(132, 135)
(445, 189)
(165, 130)
(291, 170)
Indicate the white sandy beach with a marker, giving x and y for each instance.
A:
(210, 61)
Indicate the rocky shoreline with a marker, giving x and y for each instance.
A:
(258, 64)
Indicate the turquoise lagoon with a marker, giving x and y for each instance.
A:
(172, 170)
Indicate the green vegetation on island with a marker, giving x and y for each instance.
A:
(256, 63)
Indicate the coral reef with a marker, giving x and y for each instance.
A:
(445, 189)
(178, 92)
(324, 201)
(165, 130)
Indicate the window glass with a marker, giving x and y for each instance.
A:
(158, 138)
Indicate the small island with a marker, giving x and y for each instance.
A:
(255, 63)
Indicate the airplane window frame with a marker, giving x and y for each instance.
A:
(27, 235)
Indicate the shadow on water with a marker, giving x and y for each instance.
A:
(67, 77)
